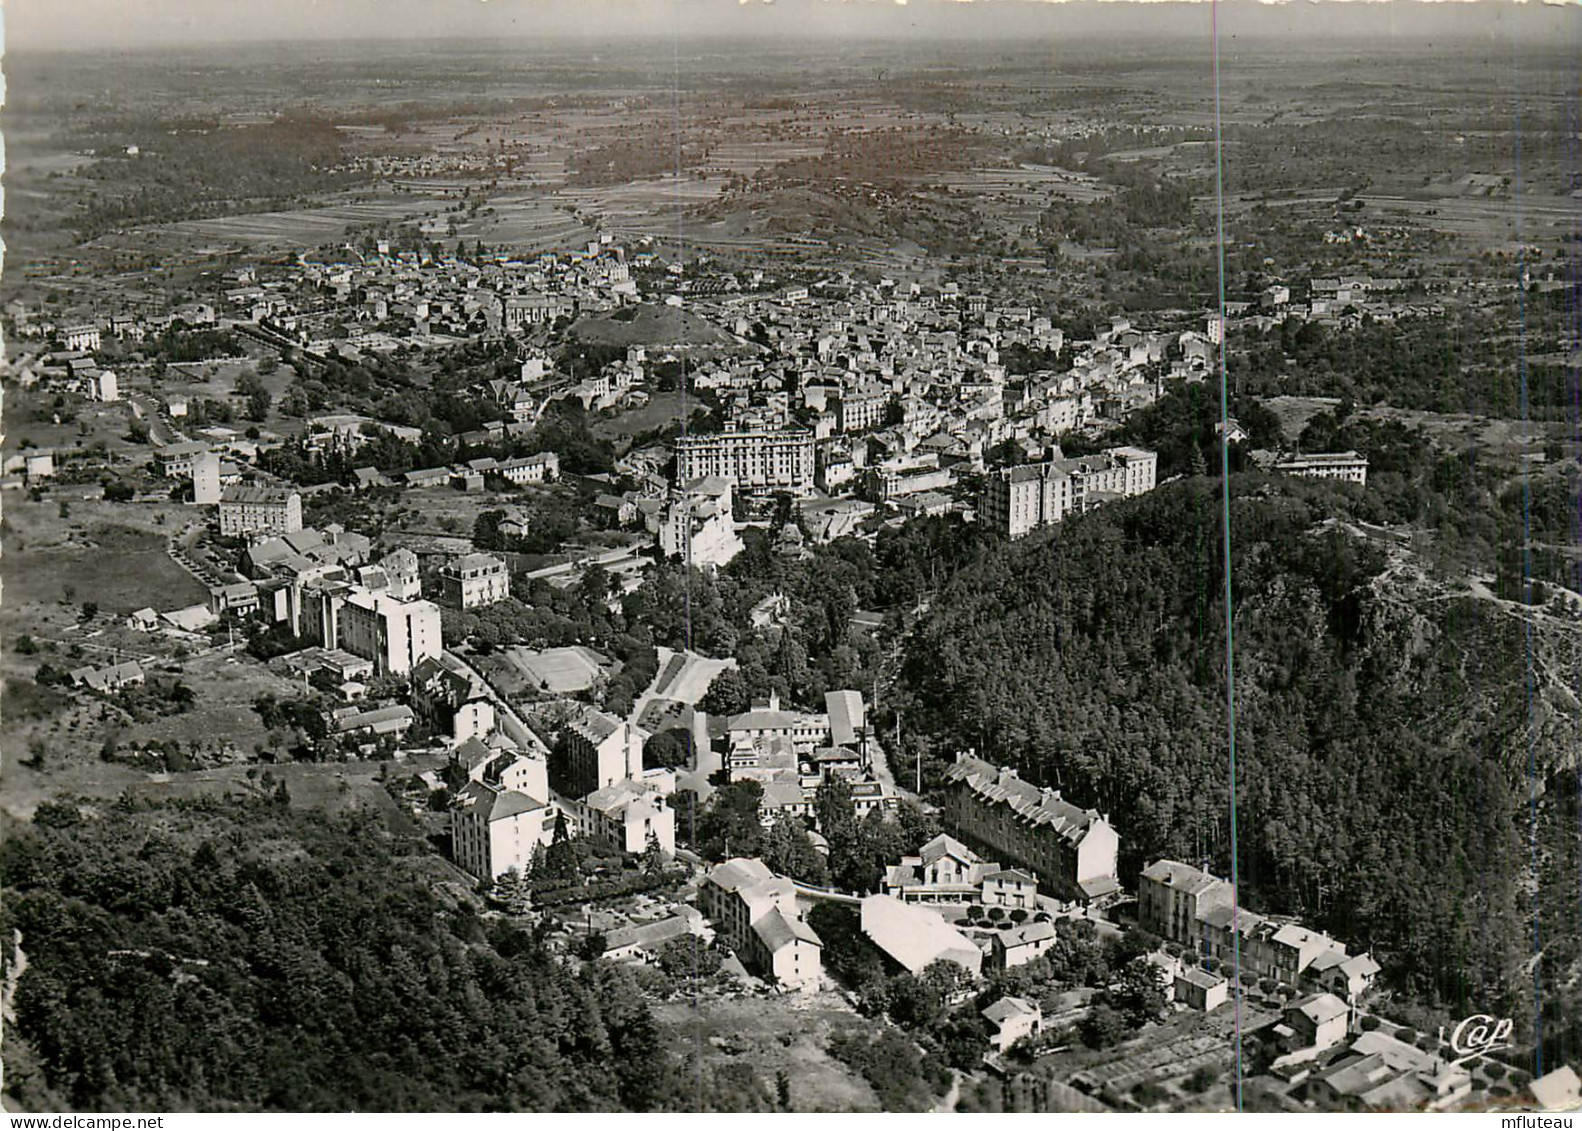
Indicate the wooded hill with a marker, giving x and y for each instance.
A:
(1385, 729)
(225, 956)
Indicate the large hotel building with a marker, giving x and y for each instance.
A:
(752, 459)
(1019, 500)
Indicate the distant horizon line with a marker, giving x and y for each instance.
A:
(1400, 37)
(136, 26)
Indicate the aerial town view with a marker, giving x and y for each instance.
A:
(697, 556)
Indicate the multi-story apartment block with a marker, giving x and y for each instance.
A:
(767, 722)
(1173, 898)
(395, 635)
(535, 310)
(494, 829)
(541, 468)
(1071, 850)
(451, 700)
(861, 410)
(1139, 470)
(259, 510)
(84, 337)
(400, 570)
(100, 385)
(1019, 500)
(175, 460)
(752, 459)
(628, 815)
(1189, 906)
(473, 581)
(889, 482)
(697, 525)
(1348, 467)
(755, 912)
(595, 750)
(835, 469)
(206, 487)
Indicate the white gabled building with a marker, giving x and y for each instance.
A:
(541, 468)
(1012, 1018)
(915, 937)
(494, 829)
(627, 815)
(755, 912)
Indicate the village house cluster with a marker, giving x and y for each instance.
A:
(790, 753)
(866, 403)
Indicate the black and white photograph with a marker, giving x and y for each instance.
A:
(790, 557)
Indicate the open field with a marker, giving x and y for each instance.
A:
(71, 425)
(529, 222)
(1026, 182)
(662, 411)
(109, 553)
(1453, 431)
(772, 1034)
(448, 512)
(329, 787)
(226, 684)
(658, 327)
(308, 227)
(216, 380)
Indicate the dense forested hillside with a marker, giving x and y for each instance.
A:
(1384, 727)
(246, 957)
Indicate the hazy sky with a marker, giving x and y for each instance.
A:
(55, 24)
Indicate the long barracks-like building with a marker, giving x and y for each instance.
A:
(1072, 850)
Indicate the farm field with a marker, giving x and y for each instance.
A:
(645, 203)
(1029, 181)
(532, 222)
(1163, 1055)
(308, 227)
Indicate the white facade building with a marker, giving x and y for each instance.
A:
(396, 635)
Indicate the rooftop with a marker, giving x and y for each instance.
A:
(915, 936)
(1010, 1007)
(248, 493)
(738, 873)
(1037, 806)
(1180, 877)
